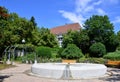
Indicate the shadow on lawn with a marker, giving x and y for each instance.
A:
(3, 77)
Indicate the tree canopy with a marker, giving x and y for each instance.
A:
(14, 28)
(97, 29)
(100, 29)
(80, 38)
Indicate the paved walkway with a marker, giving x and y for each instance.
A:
(17, 74)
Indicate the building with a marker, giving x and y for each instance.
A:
(60, 30)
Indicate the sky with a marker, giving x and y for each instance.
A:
(52, 13)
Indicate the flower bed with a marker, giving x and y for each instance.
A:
(68, 61)
(113, 63)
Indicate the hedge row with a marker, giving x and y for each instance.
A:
(43, 52)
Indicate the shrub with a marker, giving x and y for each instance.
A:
(60, 51)
(30, 57)
(55, 52)
(97, 50)
(55, 60)
(71, 52)
(113, 55)
(43, 52)
(23, 58)
(118, 48)
(19, 58)
(27, 57)
(44, 60)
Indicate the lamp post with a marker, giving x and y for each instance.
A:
(23, 41)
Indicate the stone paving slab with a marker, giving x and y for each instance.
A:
(17, 74)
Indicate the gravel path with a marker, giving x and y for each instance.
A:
(17, 74)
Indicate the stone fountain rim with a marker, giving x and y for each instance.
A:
(60, 64)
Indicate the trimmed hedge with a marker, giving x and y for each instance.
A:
(97, 50)
(43, 52)
(113, 55)
(71, 52)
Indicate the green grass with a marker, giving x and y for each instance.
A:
(5, 66)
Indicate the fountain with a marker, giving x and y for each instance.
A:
(68, 70)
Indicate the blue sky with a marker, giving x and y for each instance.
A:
(51, 13)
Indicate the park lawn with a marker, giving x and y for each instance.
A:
(5, 66)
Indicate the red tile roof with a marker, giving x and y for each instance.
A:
(63, 29)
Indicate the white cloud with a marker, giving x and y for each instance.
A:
(69, 15)
(81, 5)
(97, 3)
(101, 11)
(72, 17)
(117, 20)
(88, 9)
(83, 10)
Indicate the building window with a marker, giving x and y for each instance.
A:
(60, 39)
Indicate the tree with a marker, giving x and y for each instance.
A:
(68, 38)
(118, 36)
(21, 27)
(100, 29)
(13, 29)
(48, 39)
(4, 24)
(112, 43)
(32, 20)
(79, 38)
(4, 13)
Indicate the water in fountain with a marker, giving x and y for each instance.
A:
(67, 73)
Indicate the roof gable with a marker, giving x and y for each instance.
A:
(63, 29)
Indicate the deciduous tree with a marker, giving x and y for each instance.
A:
(100, 29)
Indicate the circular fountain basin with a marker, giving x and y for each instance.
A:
(69, 71)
